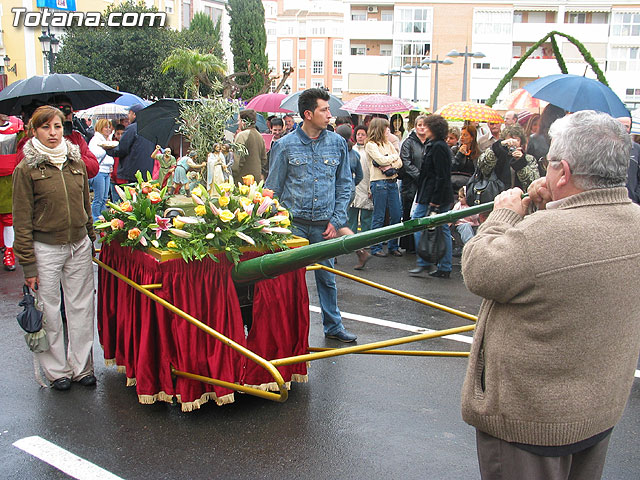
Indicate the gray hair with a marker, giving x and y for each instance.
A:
(596, 147)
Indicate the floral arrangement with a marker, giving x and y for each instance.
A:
(242, 215)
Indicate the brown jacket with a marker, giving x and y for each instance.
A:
(558, 334)
(49, 205)
(255, 162)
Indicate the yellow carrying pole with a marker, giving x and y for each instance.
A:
(394, 291)
(273, 371)
(408, 353)
(369, 346)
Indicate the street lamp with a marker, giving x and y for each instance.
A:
(399, 72)
(436, 62)
(50, 46)
(286, 89)
(466, 55)
(415, 78)
(389, 76)
(8, 67)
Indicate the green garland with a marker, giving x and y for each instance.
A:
(561, 63)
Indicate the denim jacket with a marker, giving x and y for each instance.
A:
(311, 177)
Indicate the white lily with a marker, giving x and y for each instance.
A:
(246, 238)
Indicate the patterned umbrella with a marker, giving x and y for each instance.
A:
(520, 99)
(474, 112)
(376, 104)
(268, 102)
(106, 110)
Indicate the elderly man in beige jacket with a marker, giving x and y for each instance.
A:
(255, 161)
(558, 334)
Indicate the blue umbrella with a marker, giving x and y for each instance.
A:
(335, 104)
(129, 99)
(575, 93)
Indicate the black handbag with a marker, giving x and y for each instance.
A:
(30, 319)
(481, 189)
(432, 247)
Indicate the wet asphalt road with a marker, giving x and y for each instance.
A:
(359, 417)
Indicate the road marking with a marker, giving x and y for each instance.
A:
(63, 460)
(405, 327)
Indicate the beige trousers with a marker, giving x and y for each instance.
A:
(69, 264)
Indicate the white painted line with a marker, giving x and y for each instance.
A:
(405, 327)
(396, 325)
(63, 460)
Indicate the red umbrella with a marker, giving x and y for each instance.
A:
(520, 99)
(376, 104)
(268, 102)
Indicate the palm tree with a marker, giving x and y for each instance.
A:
(196, 65)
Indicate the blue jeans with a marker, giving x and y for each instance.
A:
(385, 194)
(100, 184)
(466, 232)
(325, 282)
(420, 211)
(365, 219)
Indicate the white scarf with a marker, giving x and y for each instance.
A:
(57, 155)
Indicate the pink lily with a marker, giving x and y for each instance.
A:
(164, 224)
(248, 209)
(266, 203)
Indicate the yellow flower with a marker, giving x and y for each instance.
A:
(242, 216)
(126, 206)
(198, 191)
(117, 224)
(133, 233)
(155, 197)
(257, 198)
(248, 180)
(244, 189)
(285, 223)
(201, 210)
(244, 201)
(226, 215)
(223, 201)
(172, 244)
(177, 223)
(226, 187)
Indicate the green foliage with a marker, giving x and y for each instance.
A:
(561, 63)
(196, 66)
(130, 58)
(248, 41)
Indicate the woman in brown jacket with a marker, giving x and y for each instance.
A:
(54, 244)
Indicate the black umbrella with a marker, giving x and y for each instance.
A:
(30, 319)
(159, 121)
(84, 92)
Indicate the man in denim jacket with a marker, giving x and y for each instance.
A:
(309, 172)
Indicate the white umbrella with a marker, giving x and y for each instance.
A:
(106, 110)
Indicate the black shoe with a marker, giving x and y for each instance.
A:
(61, 384)
(379, 254)
(88, 380)
(417, 270)
(395, 253)
(343, 336)
(440, 274)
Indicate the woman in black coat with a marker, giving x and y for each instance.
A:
(435, 192)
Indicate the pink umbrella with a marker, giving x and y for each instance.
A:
(268, 102)
(377, 104)
(520, 99)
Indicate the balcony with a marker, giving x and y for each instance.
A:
(534, 67)
(366, 64)
(369, 30)
(585, 32)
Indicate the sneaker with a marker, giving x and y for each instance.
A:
(61, 384)
(88, 380)
(417, 271)
(9, 259)
(343, 336)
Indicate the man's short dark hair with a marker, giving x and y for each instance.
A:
(346, 120)
(277, 122)
(119, 127)
(288, 115)
(308, 100)
(249, 116)
(358, 128)
(59, 99)
(438, 126)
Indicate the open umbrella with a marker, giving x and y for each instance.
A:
(520, 99)
(268, 102)
(261, 124)
(129, 99)
(106, 110)
(473, 112)
(575, 93)
(377, 104)
(84, 92)
(159, 121)
(335, 104)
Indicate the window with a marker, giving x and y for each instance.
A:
(625, 24)
(286, 50)
(358, 16)
(337, 48)
(186, 14)
(337, 67)
(337, 87)
(413, 20)
(213, 13)
(317, 31)
(537, 17)
(517, 17)
(492, 23)
(317, 83)
(411, 52)
(302, 44)
(286, 64)
(302, 85)
(302, 66)
(573, 17)
(358, 49)
(318, 67)
(386, 50)
(387, 16)
(271, 31)
(169, 7)
(633, 92)
(599, 17)
(625, 59)
(481, 66)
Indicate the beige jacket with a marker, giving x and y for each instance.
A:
(383, 155)
(255, 162)
(558, 333)
(363, 189)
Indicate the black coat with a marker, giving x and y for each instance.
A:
(411, 153)
(134, 154)
(435, 175)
